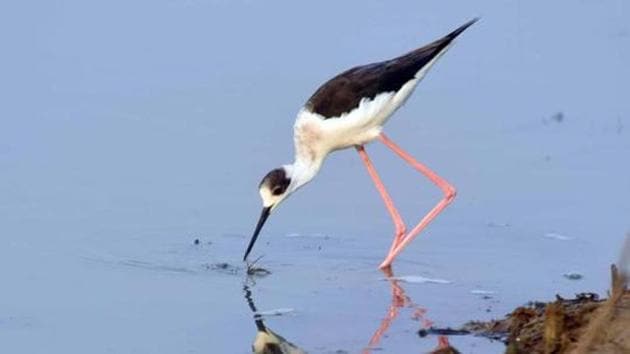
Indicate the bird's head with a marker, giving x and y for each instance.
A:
(273, 189)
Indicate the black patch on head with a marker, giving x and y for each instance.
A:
(276, 180)
(344, 92)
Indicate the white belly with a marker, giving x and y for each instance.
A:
(315, 135)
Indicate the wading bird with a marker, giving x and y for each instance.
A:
(349, 111)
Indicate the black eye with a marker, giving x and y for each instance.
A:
(277, 190)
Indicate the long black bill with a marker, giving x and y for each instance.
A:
(263, 217)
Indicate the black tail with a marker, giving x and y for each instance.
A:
(410, 64)
(461, 29)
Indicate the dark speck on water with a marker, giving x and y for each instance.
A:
(442, 331)
(196, 242)
(558, 117)
(573, 276)
(223, 268)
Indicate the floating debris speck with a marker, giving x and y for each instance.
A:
(223, 268)
(442, 331)
(573, 276)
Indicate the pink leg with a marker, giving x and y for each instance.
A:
(399, 224)
(449, 195)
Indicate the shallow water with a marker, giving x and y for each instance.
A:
(120, 145)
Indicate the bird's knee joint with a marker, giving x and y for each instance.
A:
(450, 193)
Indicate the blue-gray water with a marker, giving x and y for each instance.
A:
(129, 129)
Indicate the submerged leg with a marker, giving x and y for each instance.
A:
(449, 195)
(399, 224)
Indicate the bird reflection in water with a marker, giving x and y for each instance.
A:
(267, 341)
(401, 300)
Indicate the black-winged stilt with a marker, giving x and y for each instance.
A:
(349, 111)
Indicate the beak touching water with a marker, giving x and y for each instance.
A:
(263, 217)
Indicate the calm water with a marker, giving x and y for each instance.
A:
(128, 130)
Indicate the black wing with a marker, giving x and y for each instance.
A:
(345, 91)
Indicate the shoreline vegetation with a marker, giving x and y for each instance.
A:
(584, 324)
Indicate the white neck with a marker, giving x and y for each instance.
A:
(302, 172)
